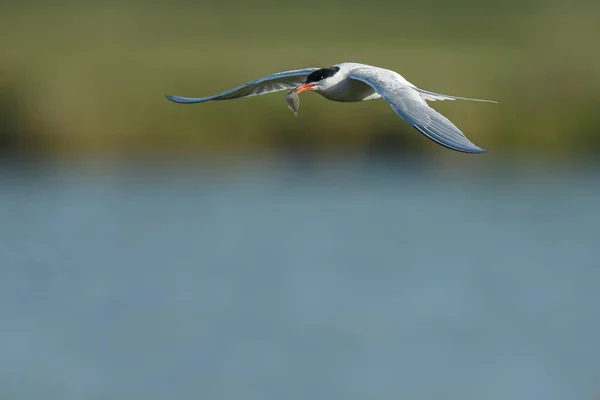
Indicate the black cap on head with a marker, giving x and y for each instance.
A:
(322, 74)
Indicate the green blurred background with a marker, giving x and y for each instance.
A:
(81, 78)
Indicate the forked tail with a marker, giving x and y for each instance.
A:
(431, 96)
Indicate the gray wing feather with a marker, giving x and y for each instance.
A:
(267, 84)
(408, 104)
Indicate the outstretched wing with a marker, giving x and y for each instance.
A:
(407, 102)
(268, 84)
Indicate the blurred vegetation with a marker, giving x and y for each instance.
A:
(89, 77)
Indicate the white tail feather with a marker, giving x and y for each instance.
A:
(431, 96)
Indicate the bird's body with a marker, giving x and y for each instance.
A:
(340, 88)
(354, 82)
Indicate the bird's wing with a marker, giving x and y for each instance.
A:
(406, 101)
(268, 84)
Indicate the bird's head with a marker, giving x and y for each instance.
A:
(320, 80)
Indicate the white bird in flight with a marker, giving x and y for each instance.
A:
(353, 82)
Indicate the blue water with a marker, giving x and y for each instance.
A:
(290, 281)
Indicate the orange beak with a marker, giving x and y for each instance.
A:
(304, 87)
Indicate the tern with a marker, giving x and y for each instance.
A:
(354, 82)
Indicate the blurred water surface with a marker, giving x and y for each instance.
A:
(290, 281)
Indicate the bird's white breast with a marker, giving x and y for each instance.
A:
(349, 90)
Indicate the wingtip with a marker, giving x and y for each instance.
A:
(474, 149)
(181, 100)
(470, 150)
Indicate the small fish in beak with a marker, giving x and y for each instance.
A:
(293, 101)
(292, 98)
